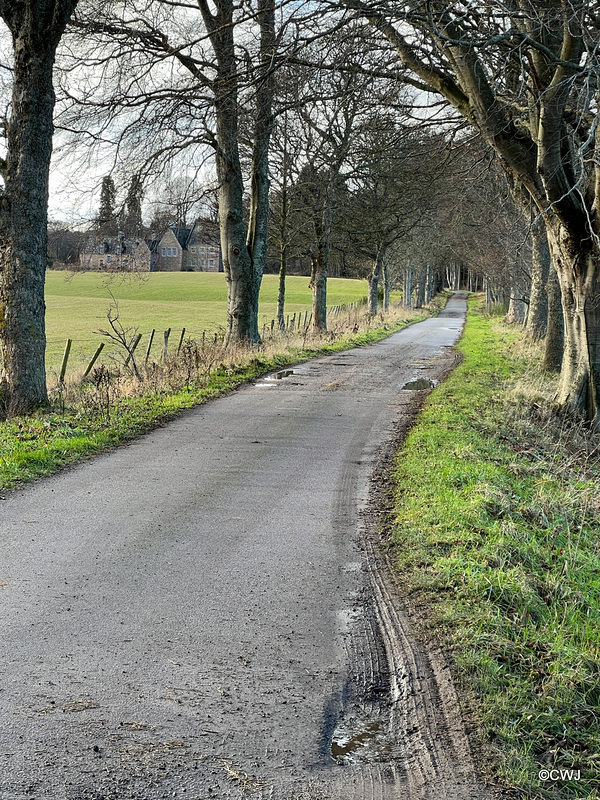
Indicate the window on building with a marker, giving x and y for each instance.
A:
(163, 251)
(108, 258)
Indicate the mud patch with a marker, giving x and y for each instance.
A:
(419, 384)
(359, 741)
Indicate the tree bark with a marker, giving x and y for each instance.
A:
(257, 239)
(516, 310)
(373, 280)
(243, 252)
(283, 236)
(36, 29)
(320, 262)
(386, 285)
(408, 277)
(537, 316)
(554, 341)
(281, 287)
(318, 284)
(576, 263)
(421, 290)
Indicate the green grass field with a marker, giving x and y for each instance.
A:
(77, 305)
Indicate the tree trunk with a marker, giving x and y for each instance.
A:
(318, 284)
(283, 236)
(516, 309)
(421, 290)
(554, 342)
(537, 316)
(373, 279)
(386, 286)
(243, 253)
(576, 262)
(257, 239)
(242, 321)
(36, 29)
(408, 275)
(428, 285)
(320, 262)
(281, 288)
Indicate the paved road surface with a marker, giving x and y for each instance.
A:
(193, 615)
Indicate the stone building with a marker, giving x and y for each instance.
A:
(194, 249)
(115, 254)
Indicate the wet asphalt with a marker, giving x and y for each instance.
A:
(178, 616)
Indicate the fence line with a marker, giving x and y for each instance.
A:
(298, 322)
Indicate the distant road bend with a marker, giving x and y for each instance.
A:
(203, 614)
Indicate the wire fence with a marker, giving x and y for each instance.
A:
(82, 355)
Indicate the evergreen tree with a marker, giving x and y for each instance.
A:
(106, 215)
(133, 225)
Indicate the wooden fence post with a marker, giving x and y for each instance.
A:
(180, 341)
(133, 346)
(165, 351)
(63, 367)
(149, 346)
(99, 349)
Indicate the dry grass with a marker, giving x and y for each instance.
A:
(113, 404)
(112, 378)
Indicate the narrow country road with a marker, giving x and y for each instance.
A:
(201, 614)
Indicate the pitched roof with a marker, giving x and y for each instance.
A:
(182, 235)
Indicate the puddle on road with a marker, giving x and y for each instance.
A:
(359, 742)
(269, 380)
(420, 383)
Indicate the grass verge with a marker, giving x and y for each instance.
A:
(112, 406)
(497, 538)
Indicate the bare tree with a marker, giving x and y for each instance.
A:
(524, 75)
(36, 29)
(336, 106)
(395, 181)
(224, 59)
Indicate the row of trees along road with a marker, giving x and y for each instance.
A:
(525, 75)
(310, 102)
